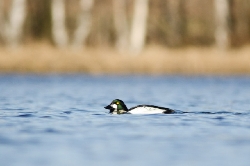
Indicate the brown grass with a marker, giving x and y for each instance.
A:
(44, 58)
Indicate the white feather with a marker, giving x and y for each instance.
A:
(146, 110)
(114, 106)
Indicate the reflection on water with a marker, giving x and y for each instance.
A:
(60, 120)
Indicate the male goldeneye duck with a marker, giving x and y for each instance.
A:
(117, 106)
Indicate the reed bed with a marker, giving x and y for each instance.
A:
(43, 58)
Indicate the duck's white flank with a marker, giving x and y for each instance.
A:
(145, 110)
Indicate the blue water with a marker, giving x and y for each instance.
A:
(60, 120)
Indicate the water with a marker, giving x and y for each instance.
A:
(60, 120)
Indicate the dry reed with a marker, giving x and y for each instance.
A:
(44, 58)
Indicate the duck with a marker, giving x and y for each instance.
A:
(117, 106)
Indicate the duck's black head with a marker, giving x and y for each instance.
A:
(117, 106)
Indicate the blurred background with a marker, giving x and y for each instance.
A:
(62, 61)
(125, 36)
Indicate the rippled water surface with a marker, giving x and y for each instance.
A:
(60, 120)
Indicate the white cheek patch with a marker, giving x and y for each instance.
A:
(114, 106)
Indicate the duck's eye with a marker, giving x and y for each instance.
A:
(117, 103)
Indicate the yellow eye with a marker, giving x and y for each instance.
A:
(117, 103)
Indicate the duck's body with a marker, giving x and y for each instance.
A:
(118, 107)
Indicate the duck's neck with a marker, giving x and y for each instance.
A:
(122, 109)
(121, 112)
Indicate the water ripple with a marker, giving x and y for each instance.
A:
(67, 112)
(26, 115)
(60, 120)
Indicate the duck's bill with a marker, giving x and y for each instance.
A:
(111, 109)
(108, 107)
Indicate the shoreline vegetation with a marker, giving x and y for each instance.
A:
(43, 58)
(123, 37)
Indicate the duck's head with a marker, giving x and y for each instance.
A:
(117, 106)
